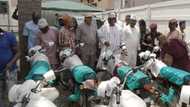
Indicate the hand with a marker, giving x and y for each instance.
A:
(8, 67)
(107, 43)
(150, 88)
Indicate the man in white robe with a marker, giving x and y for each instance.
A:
(131, 38)
(110, 34)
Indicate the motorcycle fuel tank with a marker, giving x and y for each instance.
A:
(135, 81)
(174, 75)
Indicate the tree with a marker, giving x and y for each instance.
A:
(25, 10)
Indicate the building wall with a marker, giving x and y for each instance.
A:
(104, 4)
(116, 4)
(133, 3)
(159, 13)
(76, 0)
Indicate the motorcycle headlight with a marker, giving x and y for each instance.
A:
(65, 53)
(34, 50)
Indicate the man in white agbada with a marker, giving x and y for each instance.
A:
(110, 34)
(131, 38)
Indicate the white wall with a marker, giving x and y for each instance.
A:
(117, 4)
(133, 3)
(159, 13)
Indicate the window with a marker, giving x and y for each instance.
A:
(90, 1)
(94, 4)
(3, 7)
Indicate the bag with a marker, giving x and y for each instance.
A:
(11, 78)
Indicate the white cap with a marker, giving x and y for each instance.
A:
(133, 17)
(112, 15)
(42, 23)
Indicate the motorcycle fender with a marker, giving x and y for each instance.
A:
(156, 67)
(185, 96)
(131, 99)
(50, 93)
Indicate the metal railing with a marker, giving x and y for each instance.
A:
(11, 28)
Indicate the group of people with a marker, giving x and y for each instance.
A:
(67, 35)
(112, 33)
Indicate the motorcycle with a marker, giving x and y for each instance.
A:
(33, 94)
(111, 94)
(39, 67)
(137, 78)
(175, 78)
(39, 63)
(83, 76)
(107, 61)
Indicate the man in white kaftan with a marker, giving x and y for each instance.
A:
(110, 35)
(131, 38)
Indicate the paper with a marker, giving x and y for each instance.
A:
(51, 43)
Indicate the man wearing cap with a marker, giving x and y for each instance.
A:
(66, 35)
(31, 30)
(87, 34)
(47, 38)
(131, 37)
(174, 33)
(66, 39)
(111, 34)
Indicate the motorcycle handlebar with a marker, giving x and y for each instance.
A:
(38, 87)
